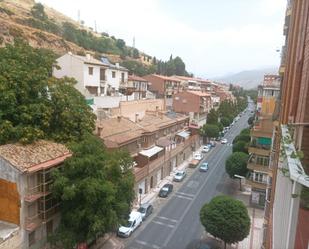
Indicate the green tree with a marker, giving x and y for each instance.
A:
(96, 192)
(226, 218)
(225, 121)
(243, 136)
(212, 117)
(236, 164)
(240, 146)
(209, 131)
(32, 103)
(120, 44)
(38, 12)
(135, 53)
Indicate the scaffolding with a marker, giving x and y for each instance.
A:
(39, 194)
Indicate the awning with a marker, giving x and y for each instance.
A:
(264, 141)
(151, 152)
(184, 134)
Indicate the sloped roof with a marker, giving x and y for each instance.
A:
(116, 131)
(136, 78)
(24, 157)
(200, 93)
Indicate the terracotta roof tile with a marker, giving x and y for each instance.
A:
(23, 157)
(136, 78)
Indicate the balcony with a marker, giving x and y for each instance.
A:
(32, 222)
(253, 164)
(34, 193)
(258, 149)
(254, 182)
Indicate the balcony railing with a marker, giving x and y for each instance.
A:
(253, 164)
(252, 180)
(142, 172)
(258, 149)
(34, 193)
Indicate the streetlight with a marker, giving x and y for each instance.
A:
(239, 177)
(140, 191)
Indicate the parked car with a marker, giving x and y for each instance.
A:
(166, 190)
(198, 156)
(206, 149)
(224, 141)
(179, 175)
(212, 144)
(135, 220)
(203, 167)
(146, 210)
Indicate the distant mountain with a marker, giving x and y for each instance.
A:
(248, 79)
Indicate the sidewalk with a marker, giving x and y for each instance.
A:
(153, 193)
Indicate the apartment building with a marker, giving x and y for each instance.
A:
(196, 104)
(137, 86)
(163, 86)
(287, 217)
(28, 212)
(94, 77)
(261, 140)
(158, 143)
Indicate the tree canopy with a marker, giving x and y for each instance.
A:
(212, 117)
(95, 189)
(210, 131)
(226, 218)
(240, 146)
(236, 164)
(34, 105)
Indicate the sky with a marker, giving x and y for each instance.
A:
(213, 37)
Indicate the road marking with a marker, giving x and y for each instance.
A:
(184, 197)
(165, 218)
(197, 194)
(144, 243)
(185, 194)
(162, 224)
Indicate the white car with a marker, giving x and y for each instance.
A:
(224, 141)
(179, 175)
(134, 222)
(205, 149)
(198, 156)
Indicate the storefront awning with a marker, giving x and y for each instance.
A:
(151, 152)
(184, 134)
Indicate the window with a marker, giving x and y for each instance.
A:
(102, 74)
(90, 70)
(122, 77)
(113, 74)
(31, 238)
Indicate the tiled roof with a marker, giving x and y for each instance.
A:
(200, 93)
(136, 78)
(116, 131)
(169, 78)
(120, 130)
(23, 157)
(89, 60)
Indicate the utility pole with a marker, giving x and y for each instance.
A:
(95, 26)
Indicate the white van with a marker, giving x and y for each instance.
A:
(134, 222)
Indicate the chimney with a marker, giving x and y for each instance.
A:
(117, 65)
(88, 56)
(136, 117)
(119, 118)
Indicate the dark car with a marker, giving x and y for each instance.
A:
(146, 210)
(166, 190)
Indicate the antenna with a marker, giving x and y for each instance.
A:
(78, 16)
(133, 42)
(95, 26)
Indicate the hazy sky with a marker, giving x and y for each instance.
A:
(213, 37)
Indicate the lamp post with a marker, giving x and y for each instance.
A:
(239, 177)
(140, 191)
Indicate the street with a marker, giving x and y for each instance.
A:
(176, 222)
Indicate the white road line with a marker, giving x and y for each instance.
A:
(185, 194)
(183, 197)
(197, 194)
(163, 224)
(144, 243)
(165, 218)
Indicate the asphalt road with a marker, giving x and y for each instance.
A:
(176, 222)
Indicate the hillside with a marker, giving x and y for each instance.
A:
(248, 79)
(44, 27)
